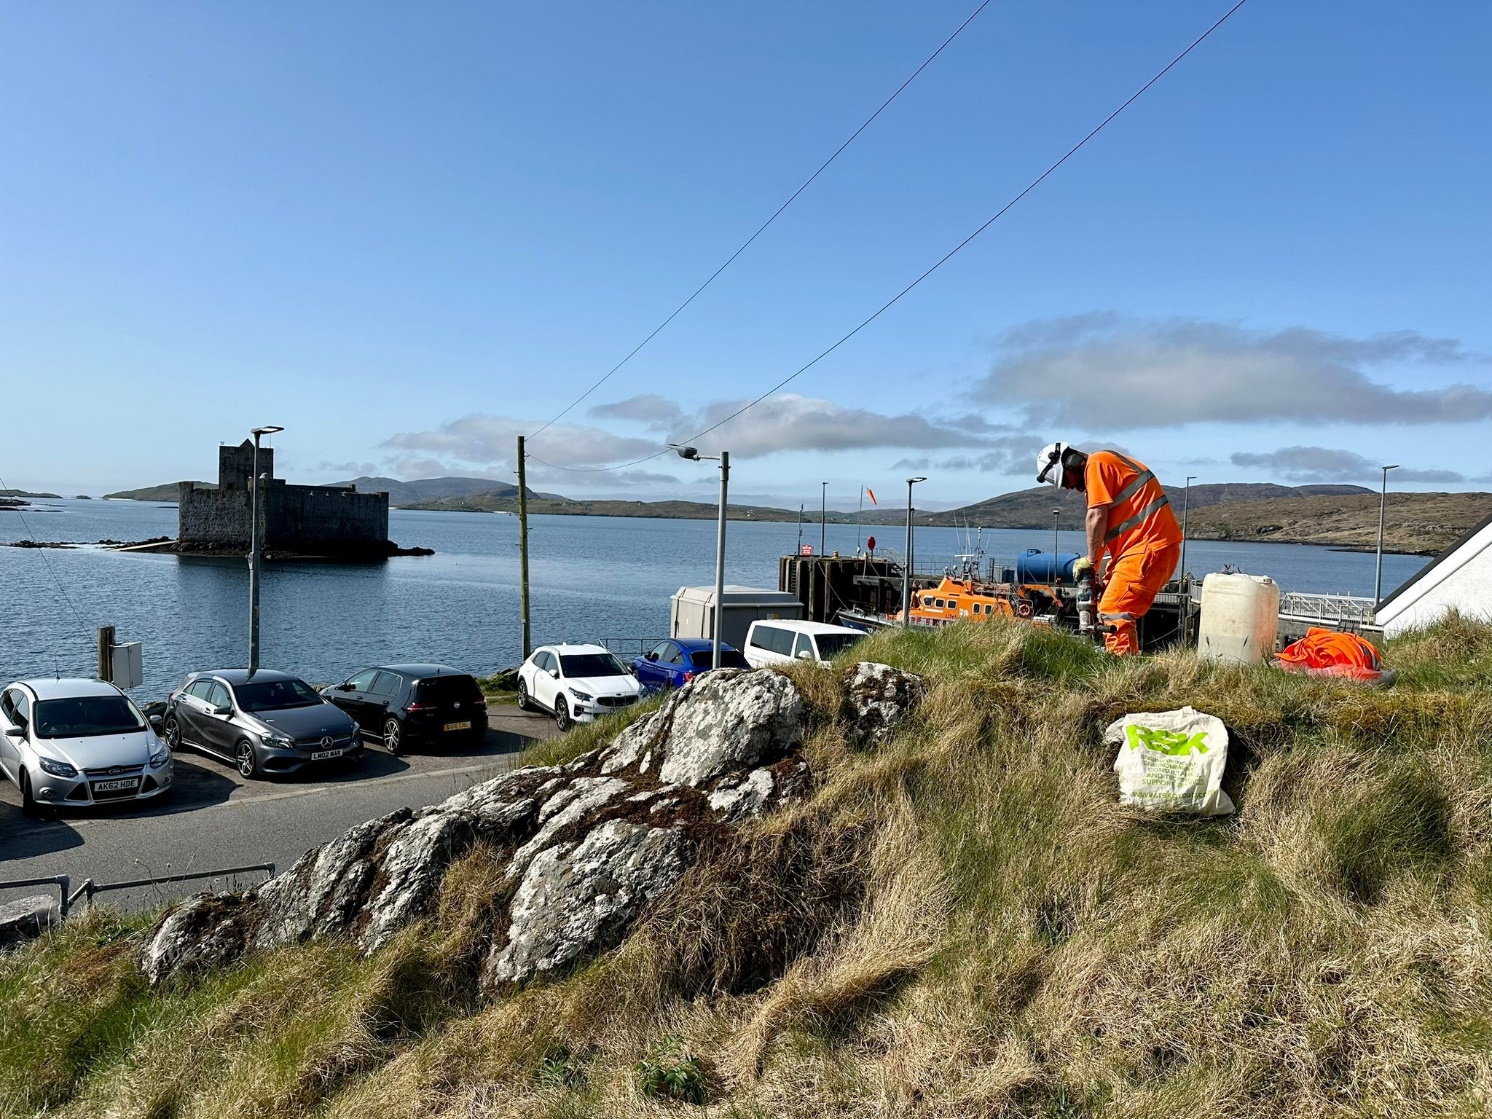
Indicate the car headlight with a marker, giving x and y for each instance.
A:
(584, 697)
(357, 736)
(280, 741)
(160, 757)
(57, 769)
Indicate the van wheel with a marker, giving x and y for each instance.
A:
(524, 703)
(562, 715)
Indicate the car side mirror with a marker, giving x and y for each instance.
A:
(347, 687)
(15, 732)
(554, 674)
(650, 656)
(225, 709)
(804, 655)
(155, 723)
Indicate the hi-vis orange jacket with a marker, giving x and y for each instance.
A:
(1139, 514)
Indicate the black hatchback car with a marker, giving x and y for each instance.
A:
(404, 705)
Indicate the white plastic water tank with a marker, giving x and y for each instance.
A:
(1240, 616)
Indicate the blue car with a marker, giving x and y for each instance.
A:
(676, 661)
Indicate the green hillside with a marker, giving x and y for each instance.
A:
(961, 922)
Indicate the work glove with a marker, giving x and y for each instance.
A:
(1083, 567)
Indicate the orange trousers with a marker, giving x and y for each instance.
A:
(1134, 579)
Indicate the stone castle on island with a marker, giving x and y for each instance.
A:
(323, 521)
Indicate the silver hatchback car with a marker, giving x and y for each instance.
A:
(74, 743)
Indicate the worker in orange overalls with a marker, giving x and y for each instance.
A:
(1130, 519)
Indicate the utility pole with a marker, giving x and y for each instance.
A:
(523, 549)
(823, 513)
(255, 559)
(1186, 591)
(1378, 567)
(906, 567)
(720, 561)
(105, 653)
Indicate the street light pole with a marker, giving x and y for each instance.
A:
(255, 559)
(1378, 567)
(906, 567)
(719, 622)
(1056, 522)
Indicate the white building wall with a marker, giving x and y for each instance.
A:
(1462, 581)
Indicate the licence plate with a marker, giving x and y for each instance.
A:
(114, 786)
(459, 726)
(320, 755)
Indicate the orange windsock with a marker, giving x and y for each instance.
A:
(872, 494)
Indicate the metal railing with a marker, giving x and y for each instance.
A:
(89, 887)
(1328, 607)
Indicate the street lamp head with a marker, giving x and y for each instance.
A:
(911, 480)
(267, 430)
(1386, 469)
(691, 453)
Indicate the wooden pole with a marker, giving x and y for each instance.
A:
(106, 653)
(523, 548)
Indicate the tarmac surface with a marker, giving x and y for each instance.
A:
(213, 819)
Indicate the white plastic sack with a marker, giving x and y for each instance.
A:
(1171, 761)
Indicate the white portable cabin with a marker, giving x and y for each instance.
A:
(1460, 578)
(692, 611)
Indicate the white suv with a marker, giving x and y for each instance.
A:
(575, 683)
(73, 743)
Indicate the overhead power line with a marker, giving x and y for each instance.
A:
(763, 227)
(895, 299)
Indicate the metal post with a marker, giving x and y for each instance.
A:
(105, 653)
(1056, 523)
(1186, 594)
(823, 514)
(254, 561)
(523, 549)
(859, 519)
(1378, 567)
(906, 567)
(720, 560)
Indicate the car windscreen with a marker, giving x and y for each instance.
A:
(86, 716)
(580, 665)
(275, 695)
(445, 689)
(831, 643)
(729, 658)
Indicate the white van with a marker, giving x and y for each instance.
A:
(783, 642)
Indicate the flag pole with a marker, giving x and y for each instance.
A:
(859, 516)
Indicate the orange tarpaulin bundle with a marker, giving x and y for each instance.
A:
(1325, 652)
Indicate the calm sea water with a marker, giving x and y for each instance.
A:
(592, 577)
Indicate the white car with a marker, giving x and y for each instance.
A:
(786, 641)
(74, 743)
(575, 683)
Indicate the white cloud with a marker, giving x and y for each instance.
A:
(1328, 464)
(1100, 372)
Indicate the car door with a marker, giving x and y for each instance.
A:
(352, 696)
(803, 648)
(219, 729)
(191, 711)
(10, 716)
(385, 696)
(546, 687)
(676, 665)
(650, 671)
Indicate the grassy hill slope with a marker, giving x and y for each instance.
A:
(962, 923)
(1413, 522)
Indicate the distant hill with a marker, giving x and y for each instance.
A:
(413, 494)
(1032, 508)
(166, 491)
(539, 504)
(26, 493)
(1423, 523)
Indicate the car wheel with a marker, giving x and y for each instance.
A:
(562, 715)
(28, 801)
(245, 759)
(524, 703)
(173, 733)
(393, 740)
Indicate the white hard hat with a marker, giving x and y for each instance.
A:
(1049, 463)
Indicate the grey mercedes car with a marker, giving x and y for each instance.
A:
(261, 723)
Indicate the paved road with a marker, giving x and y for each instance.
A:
(214, 819)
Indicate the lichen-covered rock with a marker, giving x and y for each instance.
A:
(589, 844)
(877, 698)
(717, 723)
(27, 918)
(577, 898)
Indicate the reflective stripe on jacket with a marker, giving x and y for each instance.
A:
(1139, 513)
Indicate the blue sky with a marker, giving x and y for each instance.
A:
(409, 233)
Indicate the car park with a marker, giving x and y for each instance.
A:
(406, 705)
(262, 723)
(674, 661)
(575, 683)
(787, 641)
(76, 743)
